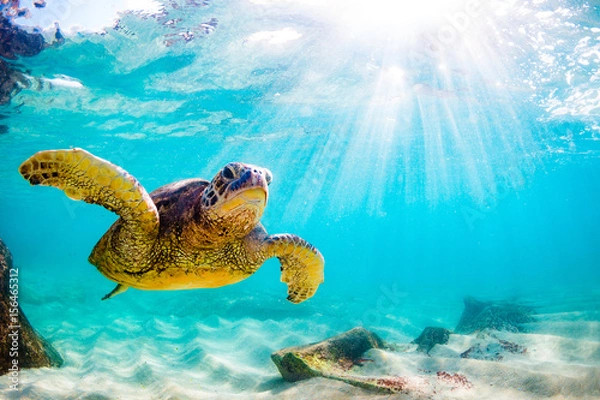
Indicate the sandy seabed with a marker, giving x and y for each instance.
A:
(217, 345)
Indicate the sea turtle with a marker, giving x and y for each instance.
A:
(184, 235)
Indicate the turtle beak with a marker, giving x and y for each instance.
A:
(252, 197)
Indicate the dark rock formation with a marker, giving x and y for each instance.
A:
(334, 355)
(14, 42)
(20, 347)
(430, 337)
(501, 316)
(9, 82)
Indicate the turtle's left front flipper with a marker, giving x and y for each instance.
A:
(301, 265)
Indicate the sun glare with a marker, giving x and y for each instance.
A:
(430, 125)
(423, 118)
(395, 16)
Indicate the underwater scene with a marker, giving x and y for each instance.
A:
(300, 199)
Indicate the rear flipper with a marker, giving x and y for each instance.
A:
(117, 290)
(301, 265)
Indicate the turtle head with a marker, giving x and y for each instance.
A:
(235, 199)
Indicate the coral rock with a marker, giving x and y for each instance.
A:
(332, 356)
(33, 351)
(430, 337)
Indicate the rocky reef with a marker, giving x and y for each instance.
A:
(502, 316)
(22, 346)
(14, 42)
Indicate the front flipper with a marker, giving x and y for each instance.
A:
(83, 176)
(301, 265)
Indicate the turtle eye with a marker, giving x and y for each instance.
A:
(228, 173)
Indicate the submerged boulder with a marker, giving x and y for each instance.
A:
(501, 316)
(331, 356)
(21, 346)
(430, 337)
(334, 357)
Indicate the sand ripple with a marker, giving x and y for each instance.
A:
(201, 346)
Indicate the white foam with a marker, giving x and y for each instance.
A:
(63, 82)
(275, 37)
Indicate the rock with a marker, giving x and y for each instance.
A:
(28, 349)
(334, 357)
(11, 82)
(331, 356)
(501, 316)
(430, 337)
(493, 350)
(15, 41)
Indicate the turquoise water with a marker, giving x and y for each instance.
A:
(423, 159)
